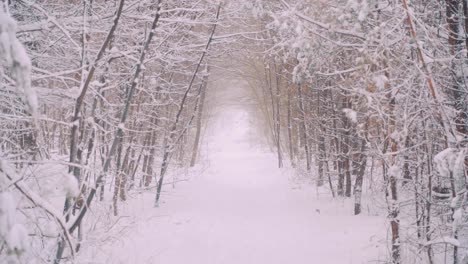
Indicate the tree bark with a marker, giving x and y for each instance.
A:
(360, 170)
(290, 129)
(304, 126)
(322, 155)
(201, 104)
(278, 117)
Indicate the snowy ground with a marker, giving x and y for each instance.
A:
(242, 210)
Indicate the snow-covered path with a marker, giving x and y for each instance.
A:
(243, 210)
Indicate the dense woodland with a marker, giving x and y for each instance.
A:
(103, 98)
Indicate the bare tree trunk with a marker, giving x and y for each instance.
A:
(322, 155)
(274, 109)
(406, 170)
(268, 95)
(135, 169)
(278, 117)
(419, 213)
(148, 169)
(360, 170)
(118, 175)
(330, 183)
(304, 126)
(392, 201)
(290, 128)
(131, 163)
(201, 104)
(345, 147)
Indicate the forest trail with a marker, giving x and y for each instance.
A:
(243, 210)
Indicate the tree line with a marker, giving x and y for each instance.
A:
(120, 89)
(373, 92)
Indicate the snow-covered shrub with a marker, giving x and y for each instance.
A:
(14, 241)
(450, 164)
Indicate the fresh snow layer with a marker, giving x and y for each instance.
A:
(241, 210)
